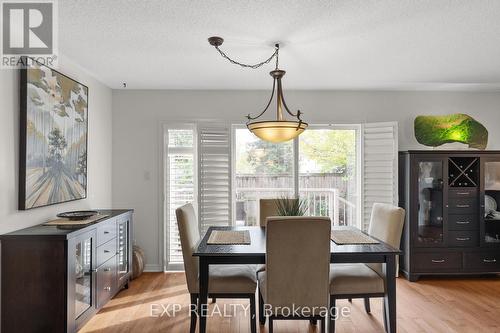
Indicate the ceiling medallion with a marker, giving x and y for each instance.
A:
(280, 129)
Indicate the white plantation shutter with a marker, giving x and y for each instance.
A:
(180, 185)
(380, 166)
(214, 156)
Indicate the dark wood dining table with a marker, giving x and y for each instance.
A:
(255, 253)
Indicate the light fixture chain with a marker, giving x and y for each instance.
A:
(275, 54)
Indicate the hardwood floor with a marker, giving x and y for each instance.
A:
(460, 305)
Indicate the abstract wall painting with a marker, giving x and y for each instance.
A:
(53, 142)
(435, 131)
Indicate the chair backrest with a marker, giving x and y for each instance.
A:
(386, 224)
(268, 208)
(297, 262)
(189, 235)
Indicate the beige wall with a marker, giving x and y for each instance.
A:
(137, 116)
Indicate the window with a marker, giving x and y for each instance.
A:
(262, 170)
(321, 166)
(328, 173)
(224, 170)
(180, 182)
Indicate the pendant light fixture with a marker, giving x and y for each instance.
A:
(279, 129)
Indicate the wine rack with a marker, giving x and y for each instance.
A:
(463, 171)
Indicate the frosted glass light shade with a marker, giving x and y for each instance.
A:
(277, 131)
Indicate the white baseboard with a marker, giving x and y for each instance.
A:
(153, 268)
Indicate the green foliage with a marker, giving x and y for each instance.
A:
(291, 206)
(331, 151)
(269, 158)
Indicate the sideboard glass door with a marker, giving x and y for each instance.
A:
(81, 279)
(83, 276)
(491, 203)
(430, 202)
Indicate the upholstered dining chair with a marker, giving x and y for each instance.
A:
(297, 269)
(225, 281)
(268, 208)
(349, 281)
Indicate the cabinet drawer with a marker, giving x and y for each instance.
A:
(106, 251)
(463, 222)
(482, 261)
(462, 206)
(106, 232)
(106, 281)
(463, 193)
(435, 262)
(463, 238)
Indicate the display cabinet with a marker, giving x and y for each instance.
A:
(452, 200)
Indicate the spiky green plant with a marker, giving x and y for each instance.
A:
(291, 206)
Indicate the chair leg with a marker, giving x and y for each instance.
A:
(262, 317)
(313, 322)
(367, 305)
(271, 328)
(194, 315)
(383, 314)
(253, 319)
(323, 325)
(332, 312)
(214, 299)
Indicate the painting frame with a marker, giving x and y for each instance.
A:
(29, 63)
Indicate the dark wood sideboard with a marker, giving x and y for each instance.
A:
(54, 279)
(448, 229)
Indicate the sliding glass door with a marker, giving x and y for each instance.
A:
(328, 173)
(262, 170)
(321, 167)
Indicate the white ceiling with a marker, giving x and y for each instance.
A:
(341, 44)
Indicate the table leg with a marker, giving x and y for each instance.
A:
(390, 293)
(203, 299)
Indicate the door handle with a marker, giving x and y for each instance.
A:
(489, 260)
(463, 222)
(463, 206)
(462, 239)
(440, 261)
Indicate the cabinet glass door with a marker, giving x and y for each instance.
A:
(430, 202)
(123, 248)
(491, 205)
(83, 276)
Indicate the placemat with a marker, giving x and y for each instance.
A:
(229, 237)
(351, 237)
(79, 222)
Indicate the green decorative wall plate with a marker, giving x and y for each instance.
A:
(435, 131)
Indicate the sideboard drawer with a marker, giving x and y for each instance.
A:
(482, 261)
(435, 262)
(105, 252)
(463, 222)
(106, 278)
(463, 238)
(462, 206)
(106, 232)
